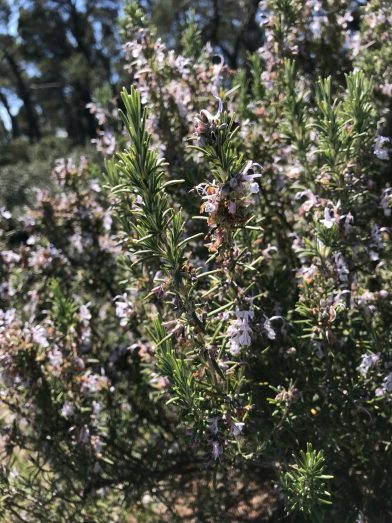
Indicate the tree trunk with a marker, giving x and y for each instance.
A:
(23, 91)
(13, 119)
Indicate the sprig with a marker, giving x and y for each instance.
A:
(305, 484)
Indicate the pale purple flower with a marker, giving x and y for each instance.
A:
(10, 257)
(85, 317)
(267, 251)
(240, 331)
(84, 434)
(376, 236)
(98, 111)
(94, 186)
(367, 362)
(386, 89)
(84, 313)
(386, 201)
(353, 42)
(31, 240)
(236, 427)
(216, 450)
(107, 221)
(5, 214)
(348, 221)
(43, 257)
(55, 358)
(6, 319)
(387, 383)
(97, 467)
(377, 243)
(97, 444)
(211, 200)
(97, 407)
(254, 187)
(386, 386)
(124, 308)
(67, 410)
(345, 19)
(93, 383)
(267, 326)
(380, 147)
(329, 218)
(105, 143)
(249, 178)
(214, 424)
(14, 474)
(318, 349)
(206, 123)
(39, 335)
(77, 242)
(341, 267)
(210, 206)
(310, 202)
(232, 207)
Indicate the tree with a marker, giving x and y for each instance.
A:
(13, 76)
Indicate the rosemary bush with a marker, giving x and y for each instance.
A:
(203, 332)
